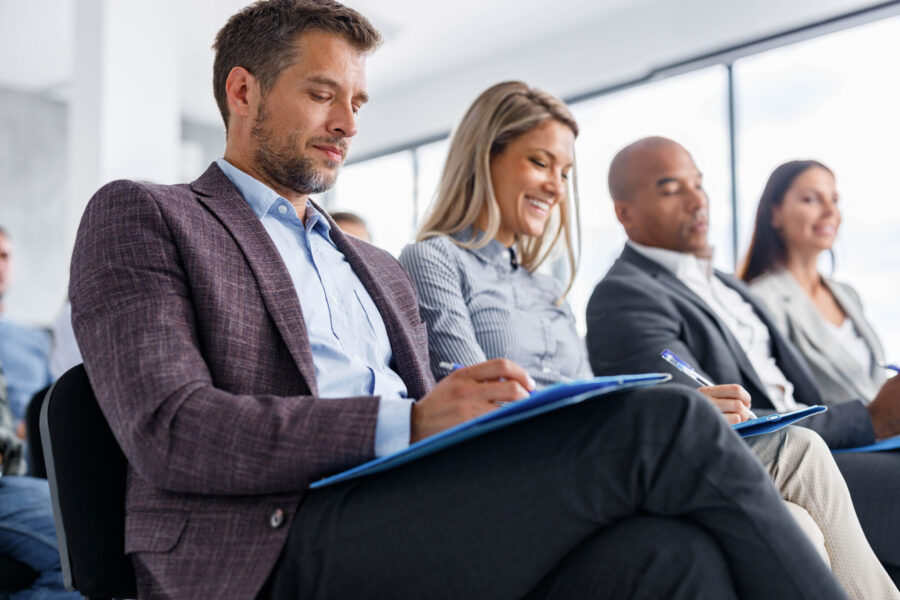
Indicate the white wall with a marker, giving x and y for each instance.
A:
(32, 202)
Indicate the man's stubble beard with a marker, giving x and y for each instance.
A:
(285, 164)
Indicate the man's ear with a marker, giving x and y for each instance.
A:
(242, 93)
(623, 213)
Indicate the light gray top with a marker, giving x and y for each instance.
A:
(837, 372)
(479, 305)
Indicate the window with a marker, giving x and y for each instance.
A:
(430, 160)
(692, 109)
(382, 192)
(834, 99)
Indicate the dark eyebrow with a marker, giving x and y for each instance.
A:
(547, 152)
(362, 97)
(666, 180)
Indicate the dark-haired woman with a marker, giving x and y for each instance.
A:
(797, 220)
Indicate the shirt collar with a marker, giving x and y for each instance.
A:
(262, 199)
(678, 263)
(493, 252)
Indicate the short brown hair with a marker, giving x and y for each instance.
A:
(261, 38)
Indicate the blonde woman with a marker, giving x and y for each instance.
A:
(506, 199)
(501, 207)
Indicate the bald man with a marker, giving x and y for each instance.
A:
(662, 292)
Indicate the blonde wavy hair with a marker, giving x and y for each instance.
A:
(500, 114)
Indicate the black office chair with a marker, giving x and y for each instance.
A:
(36, 466)
(86, 471)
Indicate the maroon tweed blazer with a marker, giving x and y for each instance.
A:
(194, 341)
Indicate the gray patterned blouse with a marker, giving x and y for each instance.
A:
(478, 304)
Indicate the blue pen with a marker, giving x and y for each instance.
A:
(893, 368)
(671, 358)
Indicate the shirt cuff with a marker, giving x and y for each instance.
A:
(392, 427)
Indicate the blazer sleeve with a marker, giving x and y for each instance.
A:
(136, 324)
(438, 280)
(628, 328)
(629, 325)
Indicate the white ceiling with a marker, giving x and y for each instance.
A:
(422, 38)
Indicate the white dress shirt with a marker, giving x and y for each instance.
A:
(852, 342)
(736, 313)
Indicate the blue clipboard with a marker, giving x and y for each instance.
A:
(770, 423)
(891, 443)
(551, 398)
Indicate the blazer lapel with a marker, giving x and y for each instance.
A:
(223, 199)
(805, 318)
(398, 332)
(854, 312)
(786, 356)
(659, 272)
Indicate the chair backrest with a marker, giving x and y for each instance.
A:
(36, 466)
(86, 471)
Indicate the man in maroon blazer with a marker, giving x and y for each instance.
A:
(242, 347)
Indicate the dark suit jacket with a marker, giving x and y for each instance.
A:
(194, 341)
(640, 308)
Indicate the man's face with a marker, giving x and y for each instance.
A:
(6, 263)
(667, 206)
(304, 124)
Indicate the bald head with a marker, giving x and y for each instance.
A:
(630, 167)
(659, 197)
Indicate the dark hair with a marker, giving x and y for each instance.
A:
(348, 217)
(767, 249)
(261, 38)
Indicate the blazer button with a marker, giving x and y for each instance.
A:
(276, 519)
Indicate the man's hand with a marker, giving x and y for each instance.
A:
(732, 400)
(885, 409)
(468, 393)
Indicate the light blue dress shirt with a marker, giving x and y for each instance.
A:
(350, 347)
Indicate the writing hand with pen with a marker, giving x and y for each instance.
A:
(466, 393)
(731, 399)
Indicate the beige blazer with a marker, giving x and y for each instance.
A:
(838, 375)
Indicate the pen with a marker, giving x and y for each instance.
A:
(671, 358)
(893, 368)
